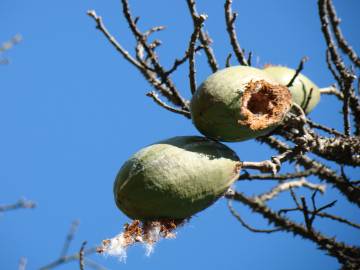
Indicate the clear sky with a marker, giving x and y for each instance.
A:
(72, 111)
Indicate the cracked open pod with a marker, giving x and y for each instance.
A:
(304, 92)
(175, 178)
(239, 103)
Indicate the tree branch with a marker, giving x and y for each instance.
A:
(197, 29)
(346, 254)
(158, 101)
(245, 225)
(20, 204)
(287, 186)
(204, 38)
(230, 18)
(344, 46)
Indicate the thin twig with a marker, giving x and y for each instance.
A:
(70, 236)
(70, 258)
(306, 214)
(179, 62)
(322, 215)
(204, 38)
(277, 177)
(324, 128)
(344, 46)
(298, 70)
(308, 99)
(324, 172)
(343, 252)
(227, 61)
(191, 51)
(100, 25)
(286, 186)
(347, 77)
(247, 226)
(175, 97)
(20, 204)
(81, 256)
(332, 68)
(158, 101)
(332, 90)
(249, 59)
(294, 197)
(230, 18)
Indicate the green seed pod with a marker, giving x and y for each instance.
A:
(300, 89)
(239, 103)
(175, 178)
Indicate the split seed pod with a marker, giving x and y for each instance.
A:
(175, 178)
(304, 92)
(239, 103)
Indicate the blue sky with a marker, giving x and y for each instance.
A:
(72, 111)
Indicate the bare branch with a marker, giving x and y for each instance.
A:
(249, 59)
(332, 90)
(230, 18)
(11, 43)
(288, 185)
(158, 101)
(298, 70)
(294, 197)
(204, 38)
(81, 256)
(20, 204)
(346, 254)
(323, 172)
(306, 215)
(179, 62)
(227, 62)
(341, 149)
(245, 225)
(347, 77)
(70, 258)
(325, 128)
(322, 215)
(278, 177)
(191, 51)
(7, 46)
(70, 236)
(175, 97)
(344, 46)
(100, 25)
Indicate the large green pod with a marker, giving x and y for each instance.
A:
(300, 89)
(175, 178)
(239, 103)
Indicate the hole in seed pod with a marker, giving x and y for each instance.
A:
(264, 104)
(261, 102)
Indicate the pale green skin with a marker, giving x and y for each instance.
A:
(175, 178)
(300, 89)
(215, 106)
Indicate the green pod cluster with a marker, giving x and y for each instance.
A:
(175, 178)
(300, 89)
(239, 103)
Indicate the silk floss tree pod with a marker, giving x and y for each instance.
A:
(175, 178)
(239, 103)
(304, 92)
(166, 183)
